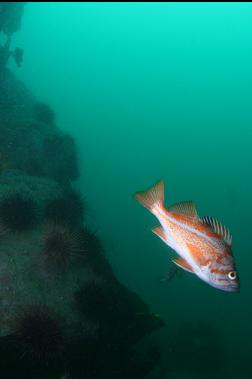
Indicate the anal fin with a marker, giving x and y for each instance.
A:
(181, 262)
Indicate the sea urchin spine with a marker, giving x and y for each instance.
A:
(60, 247)
(39, 336)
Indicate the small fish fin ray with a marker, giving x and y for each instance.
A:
(218, 228)
(159, 231)
(152, 197)
(181, 262)
(186, 207)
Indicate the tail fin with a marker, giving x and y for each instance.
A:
(153, 197)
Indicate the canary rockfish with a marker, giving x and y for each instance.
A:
(203, 244)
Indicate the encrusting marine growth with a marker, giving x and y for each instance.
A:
(64, 314)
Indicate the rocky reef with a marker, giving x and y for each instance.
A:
(64, 314)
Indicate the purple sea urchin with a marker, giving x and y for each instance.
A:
(38, 332)
(60, 247)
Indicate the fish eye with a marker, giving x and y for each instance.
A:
(232, 275)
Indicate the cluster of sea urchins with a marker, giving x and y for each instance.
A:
(62, 308)
(102, 320)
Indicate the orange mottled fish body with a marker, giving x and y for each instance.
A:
(202, 244)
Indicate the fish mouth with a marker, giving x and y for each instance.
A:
(225, 285)
(232, 289)
(228, 287)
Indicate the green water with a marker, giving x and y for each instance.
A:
(155, 91)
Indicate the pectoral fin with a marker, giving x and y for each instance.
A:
(159, 231)
(183, 264)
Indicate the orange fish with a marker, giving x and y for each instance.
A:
(202, 243)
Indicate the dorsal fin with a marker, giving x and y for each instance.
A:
(186, 207)
(218, 228)
(159, 231)
(181, 262)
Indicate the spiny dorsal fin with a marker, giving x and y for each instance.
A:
(186, 207)
(181, 262)
(159, 231)
(218, 228)
(152, 197)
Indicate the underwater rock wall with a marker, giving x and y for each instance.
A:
(63, 311)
